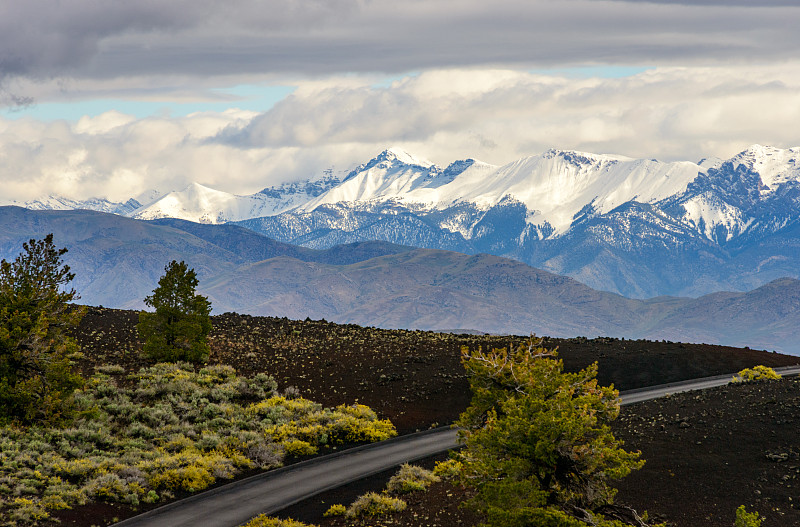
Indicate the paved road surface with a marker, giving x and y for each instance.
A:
(654, 392)
(238, 502)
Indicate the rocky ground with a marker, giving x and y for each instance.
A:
(416, 380)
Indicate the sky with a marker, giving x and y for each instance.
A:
(110, 99)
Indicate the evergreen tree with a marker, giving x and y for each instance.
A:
(539, 448)
(178, 329)
(36, 376)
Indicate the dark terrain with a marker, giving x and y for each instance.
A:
(415, 379)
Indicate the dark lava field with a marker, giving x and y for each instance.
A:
(707, 452)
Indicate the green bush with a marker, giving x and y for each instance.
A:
(373, 504)
(538, 441)
(178, 329)
(411, 478)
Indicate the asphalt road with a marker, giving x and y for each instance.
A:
(238, 502)
(654, 392)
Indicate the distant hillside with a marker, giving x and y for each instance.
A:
(118, 261)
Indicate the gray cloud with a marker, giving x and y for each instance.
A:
(93, 39)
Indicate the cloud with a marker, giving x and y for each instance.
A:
(155, 45)
(674, 113)
(493, 115)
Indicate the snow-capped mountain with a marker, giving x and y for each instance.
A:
(635, 226)
(98, 204)
(754, 192)
(639, 227)
(202, 204)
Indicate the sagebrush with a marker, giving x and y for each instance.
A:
(140, 438)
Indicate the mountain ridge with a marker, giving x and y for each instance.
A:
(118, 261)
(611, 221)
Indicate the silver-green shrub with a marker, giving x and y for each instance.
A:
(166, 428)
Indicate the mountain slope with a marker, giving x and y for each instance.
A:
(427, 289)
(117, 262)
(769, 315)
(636, 227)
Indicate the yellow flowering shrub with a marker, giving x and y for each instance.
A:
(447, 469)
(335, 510)
(166, 428)
(265, 521)
(756, 373)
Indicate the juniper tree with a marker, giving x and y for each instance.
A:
(36, 376)
(539, 449)
(178, 329)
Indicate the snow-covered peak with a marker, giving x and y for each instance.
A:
(298, 190)
(398, 154)
(775, 166)
(148, 196)
(582, 158)
(61, 203)
(202, 204)
(392, 174)
(710, 162)
(557, 185)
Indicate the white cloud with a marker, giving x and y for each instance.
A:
(494, 115)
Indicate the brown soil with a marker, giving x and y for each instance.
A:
(415, 379)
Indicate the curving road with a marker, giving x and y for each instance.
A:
(238, 502)
(654, 392)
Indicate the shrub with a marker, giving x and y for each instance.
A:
(447, 469)
(27, 510)
(110, 369)
(336, 510)
(411, 478)
(757, 373)
(187, 442)
(297, 448)
(266, 455)
(109, 487)
(264, 521)
(746, 519)
(373, 504)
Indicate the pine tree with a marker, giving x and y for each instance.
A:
(36, 376)
(178, 329)
(539, 448)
